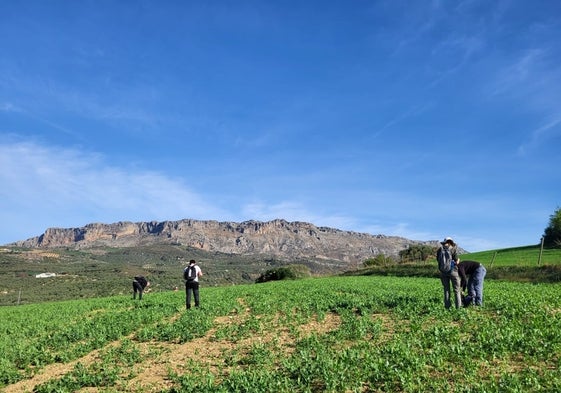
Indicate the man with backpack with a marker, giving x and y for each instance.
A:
(448, 260)
(139, 283)
(191, 275)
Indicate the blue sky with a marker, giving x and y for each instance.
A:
(420, 119)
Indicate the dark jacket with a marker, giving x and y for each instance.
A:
(467, 268)
(142, 281)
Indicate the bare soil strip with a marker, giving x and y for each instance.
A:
(161, 358)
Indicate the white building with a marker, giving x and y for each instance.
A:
(45, 275)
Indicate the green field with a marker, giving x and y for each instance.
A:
(518, 256)
(333, 334)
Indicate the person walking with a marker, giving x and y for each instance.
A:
(139, 283)
(474, 284)
(447, 257)
(191, 275)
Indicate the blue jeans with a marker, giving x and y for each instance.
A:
(475, 285)
(454, 278)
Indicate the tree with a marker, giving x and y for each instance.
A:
(552, 234)
(416, 252)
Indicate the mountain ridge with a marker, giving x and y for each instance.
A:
(275, 238)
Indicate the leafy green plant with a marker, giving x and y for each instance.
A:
(365, 333)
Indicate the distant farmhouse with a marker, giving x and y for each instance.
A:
(45, 275)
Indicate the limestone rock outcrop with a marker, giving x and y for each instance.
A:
(277, 238)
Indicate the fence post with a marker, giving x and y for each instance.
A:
(541, 251)
(493, 259)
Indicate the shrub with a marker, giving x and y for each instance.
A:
(290, 272)
(378, 260)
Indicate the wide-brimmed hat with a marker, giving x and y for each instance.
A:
(448, 240)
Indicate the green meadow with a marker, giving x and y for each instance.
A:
(518, 256)
(331, 334)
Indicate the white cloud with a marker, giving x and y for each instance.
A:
(290, 211)
(44, 187)
(295, 211)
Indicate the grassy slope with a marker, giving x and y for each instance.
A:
(519, 256)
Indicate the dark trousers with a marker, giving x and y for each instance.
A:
(191, 287)
(136, 287)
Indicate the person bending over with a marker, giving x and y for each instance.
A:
(138, 285)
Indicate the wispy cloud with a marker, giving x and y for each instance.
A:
(411, 112)
(291, 211)
(75, 188)
(296, 211)
(460, 48)
(518, 77)
(541, 134)
(401, 229)
(132, 107)
(11, 108)
(417, 25)
(532, 79)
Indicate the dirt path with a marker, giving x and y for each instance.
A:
(152, 373)
(52, 371)
(210, 353)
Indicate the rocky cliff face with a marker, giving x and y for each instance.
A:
(278, 238)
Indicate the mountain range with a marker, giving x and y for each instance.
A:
(277, 239)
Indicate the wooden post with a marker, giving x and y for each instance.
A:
(541, 251)
(493, 259)
(19, 296)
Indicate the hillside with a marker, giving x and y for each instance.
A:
(101, 259)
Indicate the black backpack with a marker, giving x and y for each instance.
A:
(190, 273)
(445, 261)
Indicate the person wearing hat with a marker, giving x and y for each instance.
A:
(447, 257)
